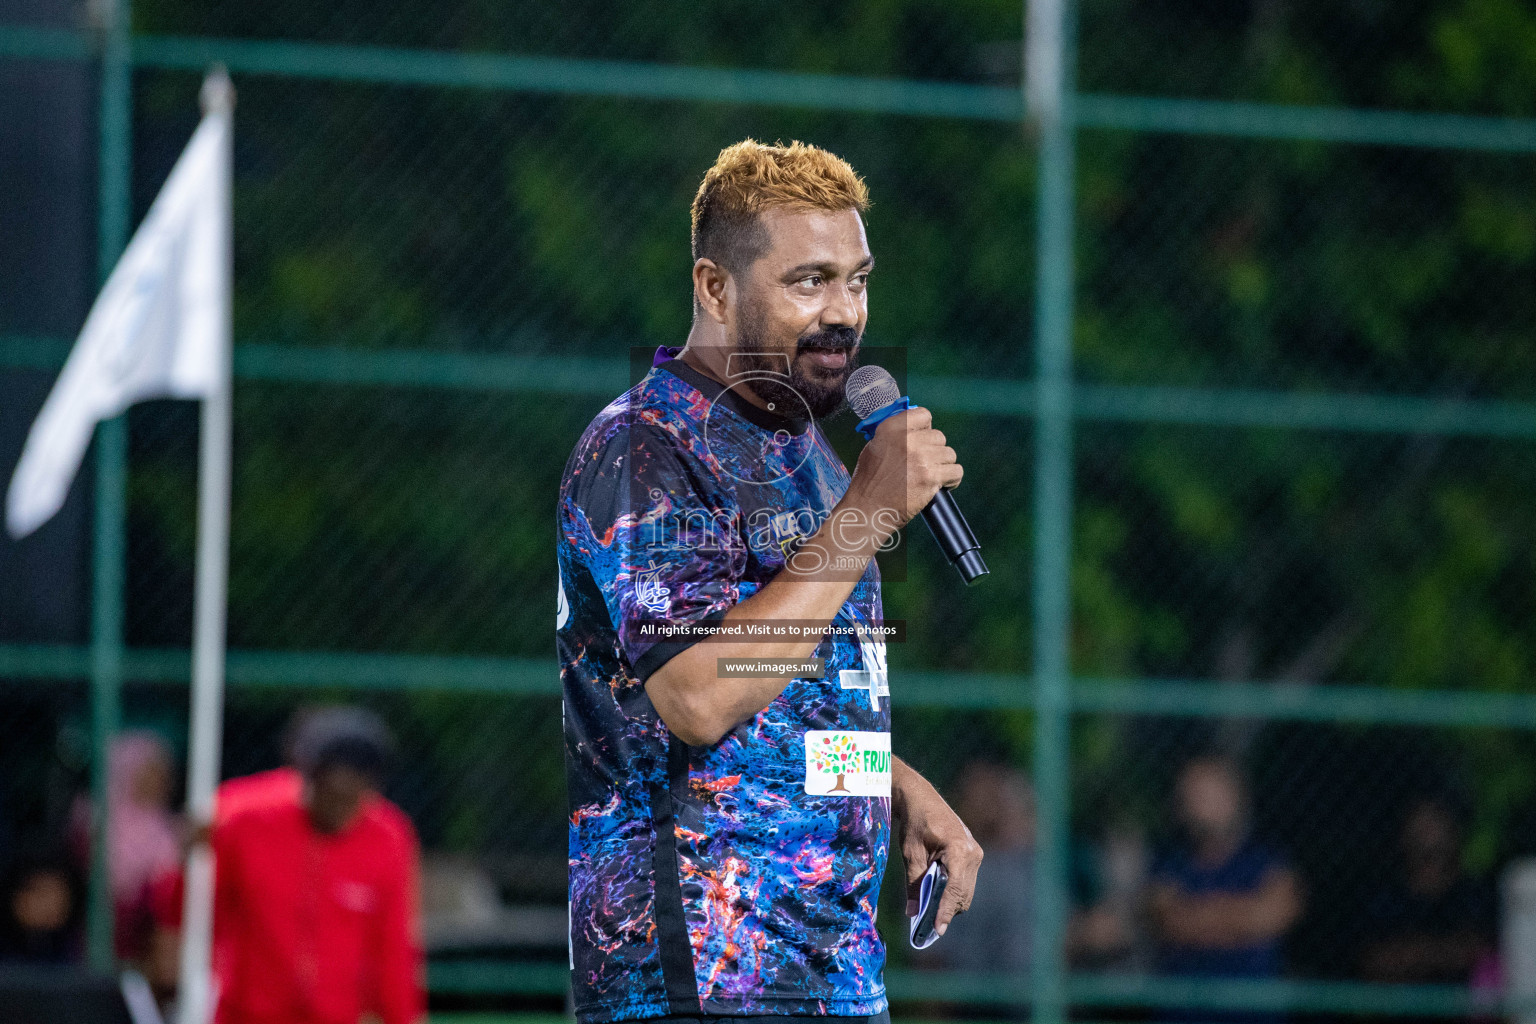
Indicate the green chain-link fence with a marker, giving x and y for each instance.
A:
(1273, 504)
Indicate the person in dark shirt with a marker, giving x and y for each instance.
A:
(1220, 902)
(1432, 922)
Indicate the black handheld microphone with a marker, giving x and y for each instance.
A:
(873, 395)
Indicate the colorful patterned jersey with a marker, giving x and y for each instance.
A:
(739, 878)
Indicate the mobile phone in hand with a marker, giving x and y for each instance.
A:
(930, 894)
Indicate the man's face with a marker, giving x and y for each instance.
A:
(1210, 802)
(335, 794)
(803, 303)
(43, 902)
(1429, 837)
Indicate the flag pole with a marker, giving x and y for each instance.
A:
(196, 995)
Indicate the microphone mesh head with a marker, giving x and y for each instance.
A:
(870, 388)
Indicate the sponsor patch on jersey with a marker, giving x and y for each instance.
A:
(847, 762)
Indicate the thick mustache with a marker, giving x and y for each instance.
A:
(835, 340)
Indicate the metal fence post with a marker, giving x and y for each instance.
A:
(108, 571)
(1049, 86)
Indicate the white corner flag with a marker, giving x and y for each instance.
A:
(157, 330)
(161, 329)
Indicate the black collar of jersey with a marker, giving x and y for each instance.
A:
(717, 392)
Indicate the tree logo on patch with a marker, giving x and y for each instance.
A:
(836, 754)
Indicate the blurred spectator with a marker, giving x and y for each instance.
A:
(43, 912)
(315, 913)
(996, 935)
(1431, 922)
(1110, 880)
(997, 804)
(144, 836)
(1220, 902)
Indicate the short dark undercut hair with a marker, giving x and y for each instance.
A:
(345, 737)
(747, 179)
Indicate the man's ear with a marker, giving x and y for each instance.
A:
(711, 289)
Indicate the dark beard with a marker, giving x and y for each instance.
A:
(820, 391)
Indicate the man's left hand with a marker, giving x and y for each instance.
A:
(927, 831)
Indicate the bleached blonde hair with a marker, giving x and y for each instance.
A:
(750, 177)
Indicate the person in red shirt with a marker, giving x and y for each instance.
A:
(316, 915)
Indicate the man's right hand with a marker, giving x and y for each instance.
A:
(902, 468)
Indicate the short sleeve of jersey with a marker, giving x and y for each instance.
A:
(674, 553)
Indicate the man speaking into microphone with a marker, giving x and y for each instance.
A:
(729, 831)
